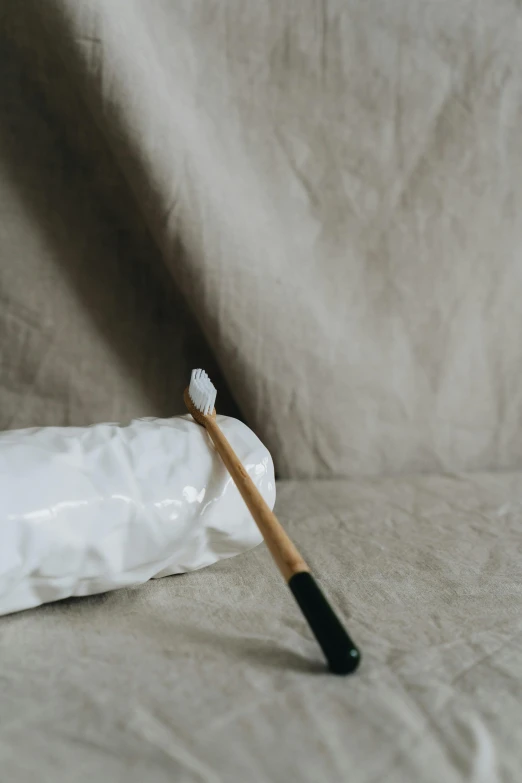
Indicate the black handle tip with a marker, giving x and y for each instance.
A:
(341, 653)
(346, 664)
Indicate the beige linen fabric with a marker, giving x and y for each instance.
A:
(345, 182)
(214, 676)
(335, 188)
(92, 327)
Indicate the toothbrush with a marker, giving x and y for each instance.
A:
(342, 655)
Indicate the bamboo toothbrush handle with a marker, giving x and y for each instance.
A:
(341, 653)
(285, 554)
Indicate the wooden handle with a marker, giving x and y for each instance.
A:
(285, 554)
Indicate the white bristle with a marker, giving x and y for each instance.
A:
(202, 391)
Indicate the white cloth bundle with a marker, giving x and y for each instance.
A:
(85, 510)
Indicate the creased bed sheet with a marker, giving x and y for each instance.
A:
(214, 676)
(336, 190)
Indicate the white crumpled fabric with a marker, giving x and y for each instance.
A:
(85, 510)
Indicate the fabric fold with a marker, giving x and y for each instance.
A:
(335, 194)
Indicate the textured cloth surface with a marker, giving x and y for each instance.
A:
(92, 327)
(213, 676)
(335, 188)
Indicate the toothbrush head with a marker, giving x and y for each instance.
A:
(200, 397)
